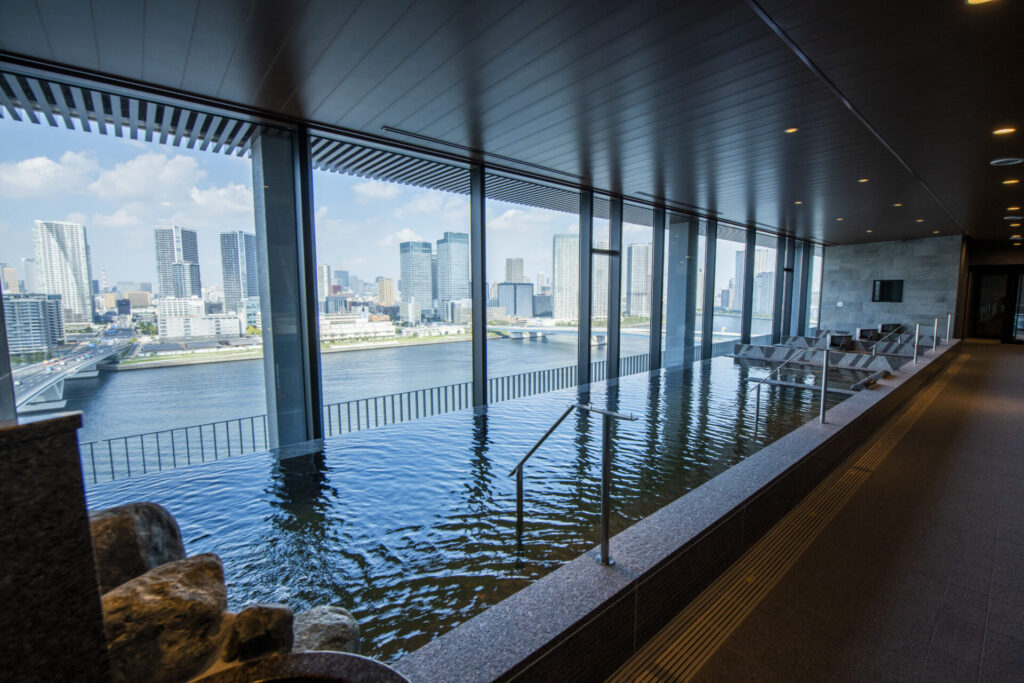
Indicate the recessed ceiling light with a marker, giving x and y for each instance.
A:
(935, 232)
(978, 2)
(1004, 131)
(1006, 161)
(792, 130)
(1013, 218)
(1016, 244)
(1011, 181)
(1013, 208)
(869, 231)
(920, 220)
(863, 180)
(839, 219)
(798, 203)
(898, 204)
(1015, 237)
(1014, 225)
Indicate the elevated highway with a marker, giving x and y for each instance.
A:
(40, 386)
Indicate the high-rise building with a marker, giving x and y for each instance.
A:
(9, 278)
(452, 267)
(764, 293)
(599, 291)
(516, 298)
(736, 295)
(177, 261)
(62, 257)
(186, 318)
(541, 281)
(417, 282)
(385, 292)
(638, 280)
(35, 322)
(238, 268)
(341, 278)
(30, 275)
(433, 277)
(514, 270)
(565, 278)
(323, 281)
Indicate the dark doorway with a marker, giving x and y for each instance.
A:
(997, 304)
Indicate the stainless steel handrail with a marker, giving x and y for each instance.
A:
(887, 335)
(606, 472)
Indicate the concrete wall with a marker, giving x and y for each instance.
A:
(929, 268)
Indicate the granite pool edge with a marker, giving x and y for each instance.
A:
(581, 621)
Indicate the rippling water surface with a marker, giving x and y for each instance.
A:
(412, 526)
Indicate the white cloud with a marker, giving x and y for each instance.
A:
(122, 218)
(149, 177)
(76, 217)
(44, 176)
(230, 199)
(376, 189)
(426, 203)
(519, 219)
(403, 235)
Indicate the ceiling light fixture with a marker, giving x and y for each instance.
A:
(792, 130)
(839, 219)
(1015, 237)
(920, 220)
(1013, 218)
(898, 204)
(935, 232)
(978, 2)
(862, 180)
(1016, 244)
(798, 203)
(1011, 181)
(1004, 131)
(1014, 225)
(869, 231)
(1013, 208)
(1006, 161)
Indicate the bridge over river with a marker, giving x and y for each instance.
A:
(40, 387)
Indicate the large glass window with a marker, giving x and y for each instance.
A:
(533, 287)
(636, 279)
(130, 288)
(729, 273)
(599, 266)
(763, 302)
(702, 242)
(393, 289)
(814, 291)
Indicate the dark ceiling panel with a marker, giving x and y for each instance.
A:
(685, 100)
(167, 33)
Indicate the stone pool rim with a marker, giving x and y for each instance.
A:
(583, 620)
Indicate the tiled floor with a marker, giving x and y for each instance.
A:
(921, 575)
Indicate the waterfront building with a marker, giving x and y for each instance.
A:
(599, 289)
(514, 270)
(416, 269)
(35, 322)
(452, 267)
(238, 269)
(565, 278)
(409, 310)
(386, 291)
(764, 293)
(638, 280)
(516, 298)
(62, 255)
(341, 326)
(30, 277)
(177, 261)
(185, 318)
(541, 305)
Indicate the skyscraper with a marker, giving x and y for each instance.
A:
(30, 275)
(323, 281)
(9, 278)
(514, 270)
(452, 267)
(386, 291)
(516, 298)
(62, 257)
(238, 267)
(417, 283)
(638, 279)
(341, 278)
(565, 279)
(736, 296)
(35, 322)
(177, 261)
(599, 292)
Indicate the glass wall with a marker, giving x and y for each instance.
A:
(123, 251)
(636, 281)
(702, 241)
(814, 290)
(763, 302)
(393, 290)
(533, 287)
(729, 272)
(599, 265)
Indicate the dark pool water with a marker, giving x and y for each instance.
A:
(412, 526)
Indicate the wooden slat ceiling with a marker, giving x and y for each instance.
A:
(683, 100)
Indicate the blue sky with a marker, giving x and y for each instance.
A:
(121, 188)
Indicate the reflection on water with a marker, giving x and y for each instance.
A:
(412, 526)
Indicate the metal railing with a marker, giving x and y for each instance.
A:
(792, 357)
(604, 556)
(138, 454)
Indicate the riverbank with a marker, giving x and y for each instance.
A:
(202, 358)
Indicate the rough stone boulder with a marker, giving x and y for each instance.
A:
(166, 625)
(259, 630)
(129, 540)
(326, 628)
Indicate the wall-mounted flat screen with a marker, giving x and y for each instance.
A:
(887, 290)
